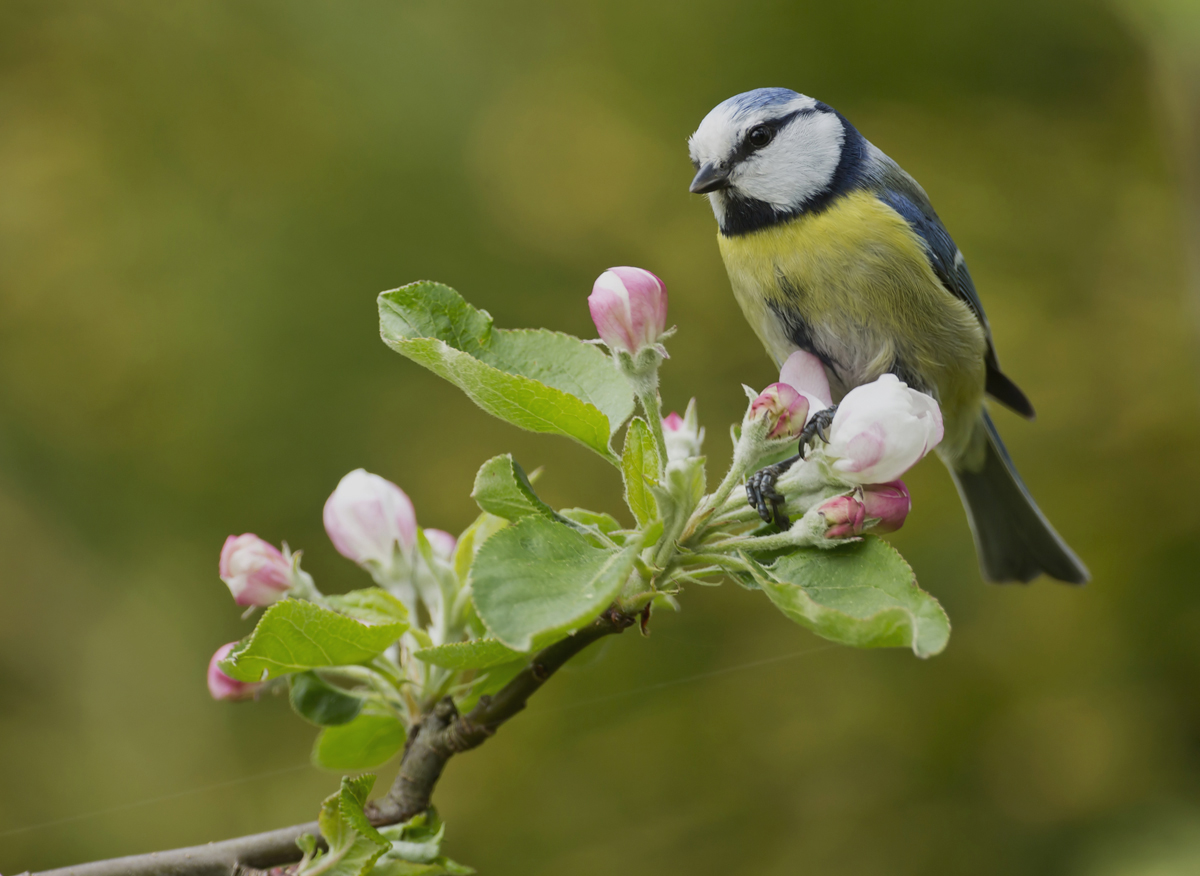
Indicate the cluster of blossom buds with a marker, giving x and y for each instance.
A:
(880, 507)
(369, 519)
(878, 432)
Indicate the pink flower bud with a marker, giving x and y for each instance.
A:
(256, 572)
(629, 307)
(786, 408)
(442, 543)
(684, 435)
(804, 372)
(881, 430)
(889, 503)
(221, 686)
(844, 515)
(368, 519)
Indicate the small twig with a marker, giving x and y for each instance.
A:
(443, 732)
(438, 736)
(233, 857)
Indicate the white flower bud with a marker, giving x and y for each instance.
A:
(684, 435)
(256, 572)
(881, 430)
(371, 521)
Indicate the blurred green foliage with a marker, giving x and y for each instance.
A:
(198, 205)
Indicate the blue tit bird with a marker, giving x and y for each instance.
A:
(832, 248)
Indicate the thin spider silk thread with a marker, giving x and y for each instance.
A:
(687, 679)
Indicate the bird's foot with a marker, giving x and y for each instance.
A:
(763, 498)
(760, 488)
(817, 427)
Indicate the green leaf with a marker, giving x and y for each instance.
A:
(372, 605)
(679, 493)
(370, 740)
(503, 489)
(440, 866)
(606, 523)
(538, 380)
(294, 635)
(416, 849)
(538, 580)
(862, 594)
(473, 537)
(419, 839)
(422, 637)
(307, 844)
(475, 654)
(319, 702)
(354, 845)
(640, 467)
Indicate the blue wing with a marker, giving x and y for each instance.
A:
(948, 263)
(944, 256)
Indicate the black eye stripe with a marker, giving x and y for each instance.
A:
(775, 125)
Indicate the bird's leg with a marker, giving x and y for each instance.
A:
(760, 488)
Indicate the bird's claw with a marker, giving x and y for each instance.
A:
(817, 427)
(763, 497)
(760, 488)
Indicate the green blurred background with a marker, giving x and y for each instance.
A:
(198, 205)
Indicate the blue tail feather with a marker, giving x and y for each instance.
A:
(1014, 540)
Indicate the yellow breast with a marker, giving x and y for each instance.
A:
(857, 279)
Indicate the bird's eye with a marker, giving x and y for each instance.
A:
(760, 136)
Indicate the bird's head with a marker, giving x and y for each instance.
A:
(765, 153)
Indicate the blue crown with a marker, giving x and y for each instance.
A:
(749, 101)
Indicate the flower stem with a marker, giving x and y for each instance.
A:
(652, 408)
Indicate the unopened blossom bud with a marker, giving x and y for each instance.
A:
(881, 430)
(844, 516)
(629, 307)
(888, 503)
(786, 408)
(221, 686)
(442, 543)
(370, 520)
(683, 435)
(255, 571)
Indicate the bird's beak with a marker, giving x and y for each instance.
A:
(710, 178)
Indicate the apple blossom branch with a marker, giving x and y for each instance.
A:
(453, 618)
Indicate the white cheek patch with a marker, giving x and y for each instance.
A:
(721, 131)
(799, 163)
